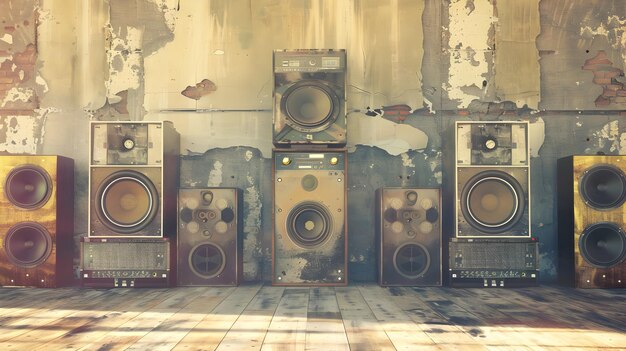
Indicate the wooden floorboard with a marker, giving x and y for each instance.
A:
(358, 317)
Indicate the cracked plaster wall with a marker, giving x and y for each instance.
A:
(70, 62)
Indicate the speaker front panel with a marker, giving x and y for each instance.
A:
(493, 202)
(210, 243)
(408, 236)
(125, 202)
(309, 246)
(309, 97)
(599, 245)
(36, 221)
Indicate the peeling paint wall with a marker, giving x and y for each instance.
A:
(413, 69)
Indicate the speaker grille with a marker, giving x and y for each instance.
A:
(126, 201)
(125, 255)
(492, 201)
(603, 244)
(309, 224)
(310, 105)
(28, 187)
(207, 260)
(411, 260)
(28, 244)
(603, 187)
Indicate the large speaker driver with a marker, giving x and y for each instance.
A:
(603, 245)
(207, 260)
(127, 201)
(309, 224)
(28, 187)
(28, 244)
(310, 106)
(603, 187)
(411, 260)
(493, 201)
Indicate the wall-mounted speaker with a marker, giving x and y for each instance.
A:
(492, 180)
(133, 179)
(408, 236)
(309, 97)
(210, 242)
(592, 221)
(36, 221)
(310, 235)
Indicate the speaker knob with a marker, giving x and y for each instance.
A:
(286, 161)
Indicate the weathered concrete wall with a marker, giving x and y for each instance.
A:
(413, 69)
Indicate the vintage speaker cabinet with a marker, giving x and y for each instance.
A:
(309, 98)
(133, 179)
(309, 246)
(408, 236)
(492, 184)
(210, 237)
(592, 221)
(36, 221)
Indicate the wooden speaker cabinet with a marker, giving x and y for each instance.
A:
(592, 221)
(210, 242)
(310, 235)
(36, 221)
(133, 179)
(408, 236)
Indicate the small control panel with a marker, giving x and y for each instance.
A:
(332, 161)
(309, 60)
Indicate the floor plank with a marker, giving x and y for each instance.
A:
(324, 328)
(287, 330)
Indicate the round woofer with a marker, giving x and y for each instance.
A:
(493, 201)
(127, 201)
(310, 105)
(309, 224)
(28, 244)
(411, 260)
(603, 187)
(603, 244)
(28, 187)
(207, 260)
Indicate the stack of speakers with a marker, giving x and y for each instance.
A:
(492, 246)
(133, 181)
(309, 245)
(36, 221)
(592, 221)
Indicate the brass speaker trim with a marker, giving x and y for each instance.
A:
(218, 271)
(586, 176)
(15, 173)
(39, 229)
(512, 184)
(309, 127)
(145, 183)
(583, 247)
(424, 269)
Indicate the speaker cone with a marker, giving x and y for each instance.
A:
(603, 244)
(28, 244)
(309, 224)
(411, 260)
(603, 187)
(207, 260)
(28, 187)
(127, 201)
(492, 201)
(310, 105)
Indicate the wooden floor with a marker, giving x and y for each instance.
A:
(363, 317)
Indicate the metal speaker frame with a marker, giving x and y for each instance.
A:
(309, 98)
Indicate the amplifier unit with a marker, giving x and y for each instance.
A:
(126, 262)
(493, 263)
